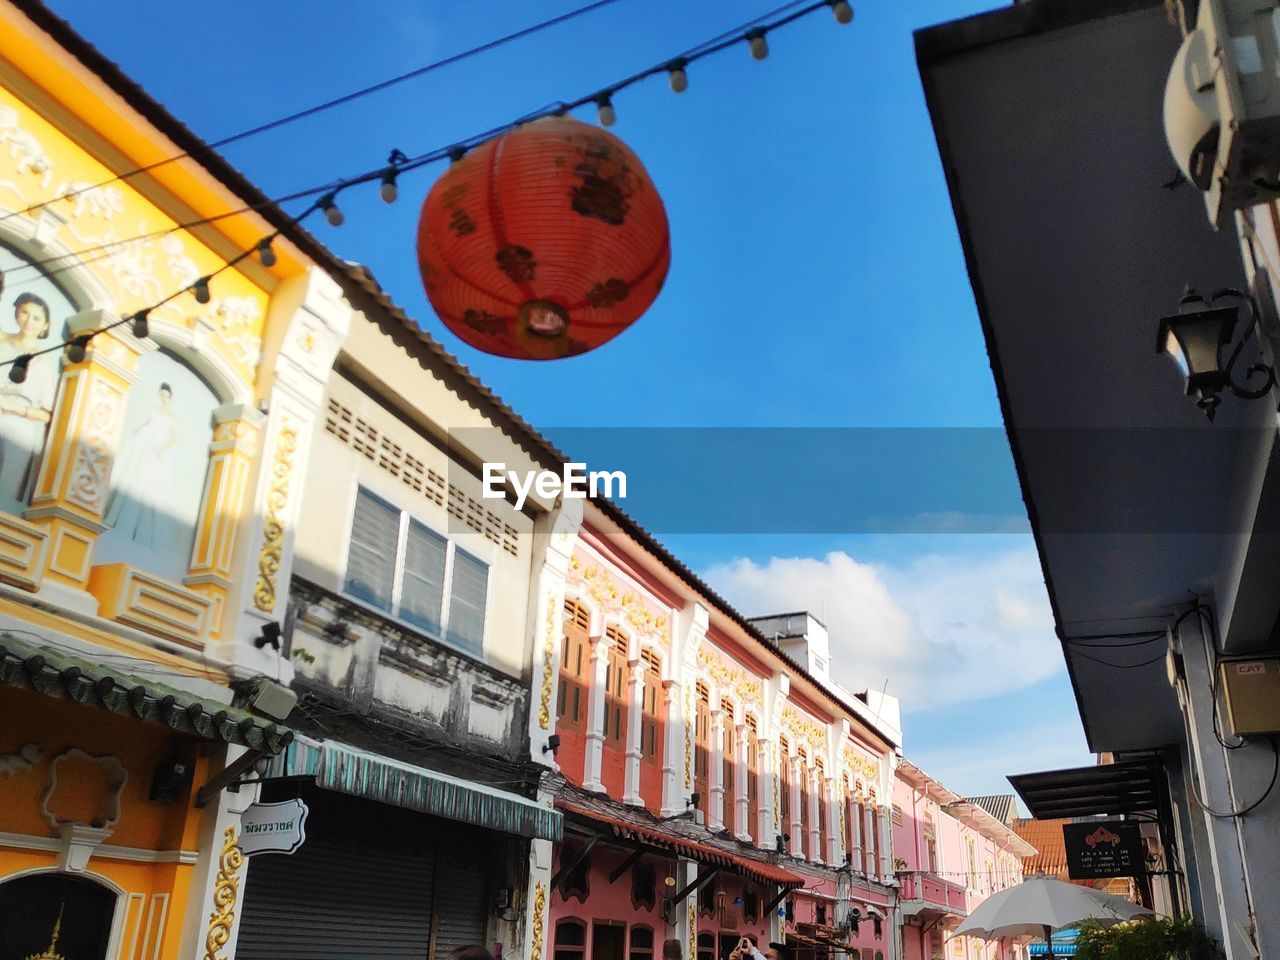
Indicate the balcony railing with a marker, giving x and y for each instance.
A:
(932, 891)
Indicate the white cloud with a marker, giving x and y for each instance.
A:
(942, 629)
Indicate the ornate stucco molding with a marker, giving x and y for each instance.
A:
(273, 525)
(225, 893)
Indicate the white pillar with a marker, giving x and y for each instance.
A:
(868, 841)
(796, 828)
(855, 818)
(742, 776)
(767, 824)
(814, 844)
(537, 897)
(635, 730)
(886, 840)
(715, 771)
(598, 672)
(545, 627)
(835, 837)
(673, 751)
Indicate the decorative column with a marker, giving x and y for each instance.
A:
(307, 322)
(598, 670)
(689, 631)
(635, 734)
(796, 828)
(684, 919)
(537, 895)
(237, 433)
(835, 832)
(886, 844)
(768, 786)
(715, 771)
(741, 775)
(814, 845)
(673, 759)
(74, 480)
(556, 534)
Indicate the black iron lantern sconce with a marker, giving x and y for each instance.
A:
(1198, 336)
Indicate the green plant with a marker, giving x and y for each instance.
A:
(303, 654)
(1165, 938)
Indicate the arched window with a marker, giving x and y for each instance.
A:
(641, 946)
(571, 939)
(753, 780)
(37, 908)
(820, 781)
(783, 775)
(706, 946)
(617, 685)
(653, 726)
(571, 705)
(728, 754)
(803, 849)
(702, 746)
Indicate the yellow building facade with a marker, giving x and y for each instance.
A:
(149, 490)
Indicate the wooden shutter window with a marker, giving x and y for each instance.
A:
(371, 556)
(468, 591)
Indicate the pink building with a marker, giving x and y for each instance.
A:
(714, 781)
(950, 854)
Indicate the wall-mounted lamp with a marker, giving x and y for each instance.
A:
(781, 842)
(552, 745)
(269, 636)
(1197, 336)
(695, 798)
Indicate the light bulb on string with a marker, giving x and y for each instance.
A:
(201, 290)
(677, 77)
(266, 255)
(456, 154)
(758, 44)
(18, 369)
(842, 10)
(141, 329)
(328, 204)
(604, 108)
(388, 190)
(78, 348)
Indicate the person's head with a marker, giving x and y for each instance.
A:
(32, 314)
(166, 396)
(671, 950)
(471, 952)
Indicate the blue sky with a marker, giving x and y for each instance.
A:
(816, 281)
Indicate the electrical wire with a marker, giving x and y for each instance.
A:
(335, 102)
(708, 48)
(1234, 814)
(1120, 666)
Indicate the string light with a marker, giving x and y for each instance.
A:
(388, 190)
(842, 10)
(677, 77)
(78, 348)
(329, 206)
(608, 116)
(201, 290)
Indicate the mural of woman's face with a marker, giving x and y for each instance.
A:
(33, 318)
(166, 397)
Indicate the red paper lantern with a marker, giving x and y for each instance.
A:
(544, 242)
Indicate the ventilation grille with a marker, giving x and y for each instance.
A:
(376, 447)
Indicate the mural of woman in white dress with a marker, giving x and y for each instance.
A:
(147, 460)
(158, 477)
(33, 314)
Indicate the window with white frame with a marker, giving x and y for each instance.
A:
(403, 567)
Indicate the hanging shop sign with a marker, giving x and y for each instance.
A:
(273, 827)
(1104, 848)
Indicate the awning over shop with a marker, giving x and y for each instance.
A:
(757, 870)
(1110, 789)
(57, 673)
(346, 769)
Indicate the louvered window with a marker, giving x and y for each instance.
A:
(400, 566)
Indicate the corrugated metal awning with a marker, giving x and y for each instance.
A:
(346, 769)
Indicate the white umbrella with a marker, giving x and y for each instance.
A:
(1038, 906)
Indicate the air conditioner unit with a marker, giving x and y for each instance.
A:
(1222, 106)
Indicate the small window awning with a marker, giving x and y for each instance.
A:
(54, 672)
(1109, 789)
(346, 769)
(757, 870)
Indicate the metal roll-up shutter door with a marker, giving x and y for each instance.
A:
(358, 887)
(462, 896)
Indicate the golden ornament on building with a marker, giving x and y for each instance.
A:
(51, 951)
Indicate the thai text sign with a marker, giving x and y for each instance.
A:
(1104, 848)
(273, 827)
